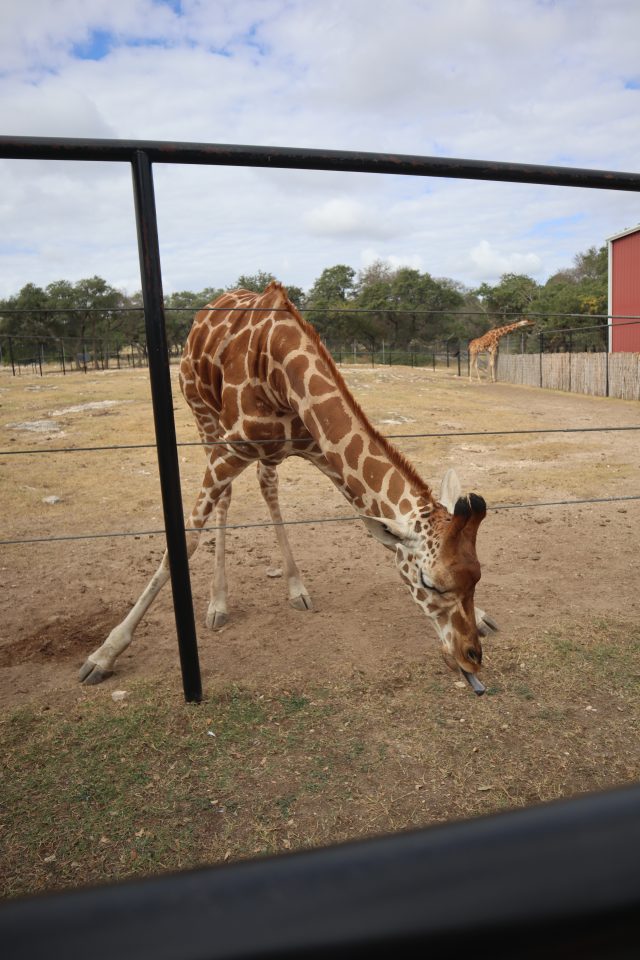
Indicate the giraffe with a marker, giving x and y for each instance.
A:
(262, 387)
(489, 342)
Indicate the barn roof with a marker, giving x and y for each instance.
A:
(624, 233)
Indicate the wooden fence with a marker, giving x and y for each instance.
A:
(597, 374)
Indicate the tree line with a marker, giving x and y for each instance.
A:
(400, 307)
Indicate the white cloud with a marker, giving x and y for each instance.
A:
(487, 79)
(492, 263)
(342, 216)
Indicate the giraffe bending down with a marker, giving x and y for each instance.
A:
(488, 343)
(255, 374)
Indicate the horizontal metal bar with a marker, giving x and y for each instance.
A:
(52, 148)
(555, 880)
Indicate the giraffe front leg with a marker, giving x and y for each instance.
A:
(298, 596)
(217, 613)
(99, 665)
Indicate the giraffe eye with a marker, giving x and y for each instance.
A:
(429, 585)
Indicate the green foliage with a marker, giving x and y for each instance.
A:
(400, 307)
(514, 294)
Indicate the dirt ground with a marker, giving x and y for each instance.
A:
(541, 565)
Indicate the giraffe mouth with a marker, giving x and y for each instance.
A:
(475, 684)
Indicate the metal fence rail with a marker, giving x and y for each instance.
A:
(560, 881)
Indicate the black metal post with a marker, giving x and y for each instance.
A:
(64, 369)
(40, 355)
(13, 363)
(160, 377)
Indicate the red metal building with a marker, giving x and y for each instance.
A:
(624, 290)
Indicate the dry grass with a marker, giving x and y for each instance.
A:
(110, 790)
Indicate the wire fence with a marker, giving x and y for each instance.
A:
(31, 353)
(313, 520)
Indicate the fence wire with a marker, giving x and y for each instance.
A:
(246, 526)
(292, 523)
(390, 436)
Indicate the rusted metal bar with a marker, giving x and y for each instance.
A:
(221, 154)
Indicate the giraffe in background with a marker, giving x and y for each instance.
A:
(262, 387)
(488, 343)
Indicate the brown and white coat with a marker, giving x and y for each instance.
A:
(262, 387)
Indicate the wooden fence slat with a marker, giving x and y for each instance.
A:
(575, 372)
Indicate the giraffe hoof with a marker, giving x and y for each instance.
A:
(487, 626)
(91, 674)
(216, 619)
(301, 602)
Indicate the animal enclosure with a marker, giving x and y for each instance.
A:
(116, 491)
(611, 742)
(561, 712)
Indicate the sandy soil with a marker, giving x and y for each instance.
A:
(540, 565)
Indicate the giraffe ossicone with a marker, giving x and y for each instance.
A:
(262, 387)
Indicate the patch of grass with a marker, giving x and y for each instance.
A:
(104, 791)
(293, 702)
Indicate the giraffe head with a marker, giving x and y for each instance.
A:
(435, 552)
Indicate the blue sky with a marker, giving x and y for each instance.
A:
(515, 80)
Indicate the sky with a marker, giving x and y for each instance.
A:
(533, 81)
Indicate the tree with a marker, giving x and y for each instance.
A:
(95, 300)
(258, 281)
(377, 273)
(32, 319)
(255, 282)
(581, 289)
(330, 294)
(513, 295)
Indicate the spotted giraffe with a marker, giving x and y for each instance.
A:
(488, 343)
(262, 387)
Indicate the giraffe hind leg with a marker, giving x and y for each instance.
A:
(298, 595)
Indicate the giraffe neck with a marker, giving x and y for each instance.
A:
(368, 470)
(372, 475)
(502, 331)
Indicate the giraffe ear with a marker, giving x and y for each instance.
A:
(450, 490)
(388, 532)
